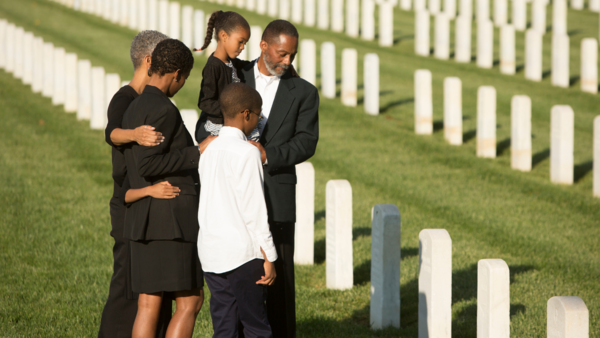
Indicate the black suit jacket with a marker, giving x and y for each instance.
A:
(290, 137)
(175, 160)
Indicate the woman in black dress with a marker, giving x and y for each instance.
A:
(164, 232)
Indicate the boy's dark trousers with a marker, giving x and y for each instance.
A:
(235, 297)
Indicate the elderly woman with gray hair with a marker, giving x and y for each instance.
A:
(121, 306)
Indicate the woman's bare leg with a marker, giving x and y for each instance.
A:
(188, 305)
(147, 315)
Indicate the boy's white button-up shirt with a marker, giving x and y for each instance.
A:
(232, 214)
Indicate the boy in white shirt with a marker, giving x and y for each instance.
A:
(234, 242)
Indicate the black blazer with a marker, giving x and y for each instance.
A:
(175, 160)
(289, 138)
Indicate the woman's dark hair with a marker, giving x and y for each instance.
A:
(170, 55)
(223, 21)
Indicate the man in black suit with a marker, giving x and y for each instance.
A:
(289, 135)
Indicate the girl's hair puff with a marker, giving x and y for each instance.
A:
(223, 21)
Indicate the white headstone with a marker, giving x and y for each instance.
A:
(3, 25)
(304, 251)
(174, 20)
(284, 9)
(337, 15)
(71, 82)
(577, 4)
(272, 7)
(48, 69)
(442, 36)
(296, 11)
(323, 14)
(422, 33)
(507, 50)
(37, 83)
(520, 138)
(240, 3)
(261, 6)
(142, 15)
(519, 16)
(349, 76)
(133, 15)
(559, 16)
(483, 10)
(190, 118)
(385, 267)
(371, 82)
(450, 8)
(338, 237)
(352, 17)
(423, 102)
(18, 56)
(251, 5)
(493, 299)
(153, 14)
(463, 39)
(309, 13)
(594, 5)
(568, 317)
(328, 80)
(58, 93)
(98, 117)
(561, 144)
(367, 28)
(200, 29)
(254, 42)
(163, 16)
(187, 26)
(308, 61)
(435, 283)
(27, 57)
(596, 164)
(538, 15)
(386, 24)
(466, 9)
(533, 55)
(560, 60)
(453, 110)
(420, 5)
(113, 84)
(115, 14)
(434, 6)
(84, 90)
(485, 44)
(106, 10)
(500, 12)
(486, 122)
(589, 65)
(406, 5)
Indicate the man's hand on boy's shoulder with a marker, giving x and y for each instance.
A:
(263, 153)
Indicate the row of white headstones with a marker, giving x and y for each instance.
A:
(567, 316)
(561, 127)
(533, 40)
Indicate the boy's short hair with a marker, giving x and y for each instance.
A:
(237, 97)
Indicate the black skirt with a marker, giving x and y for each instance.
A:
(165, 265)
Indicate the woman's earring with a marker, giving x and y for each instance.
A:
(149, 73)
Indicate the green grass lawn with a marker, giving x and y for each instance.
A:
(55, 173)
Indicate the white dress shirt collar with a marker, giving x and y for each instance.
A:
(232, 132)
(267, 78)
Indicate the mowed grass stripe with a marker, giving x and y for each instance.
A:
(546, 233)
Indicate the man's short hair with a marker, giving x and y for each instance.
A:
(143, 44)
(237, 97)
(276, 28)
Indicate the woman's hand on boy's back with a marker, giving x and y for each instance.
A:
(270, 274)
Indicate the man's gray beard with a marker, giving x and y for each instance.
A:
(272, 68)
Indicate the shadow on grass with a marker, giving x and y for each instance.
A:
(402, 38)
(574, 32)
(502, 146)
(573, 80)
(361, 100)
(438, 125)
(519, 68)
(468, 136)
(580, 170)
(538, 157)
(396, 103)
(546, 73)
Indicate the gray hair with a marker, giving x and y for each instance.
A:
(143, 44)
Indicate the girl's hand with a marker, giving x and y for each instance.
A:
(163, 190)
(146, 136)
